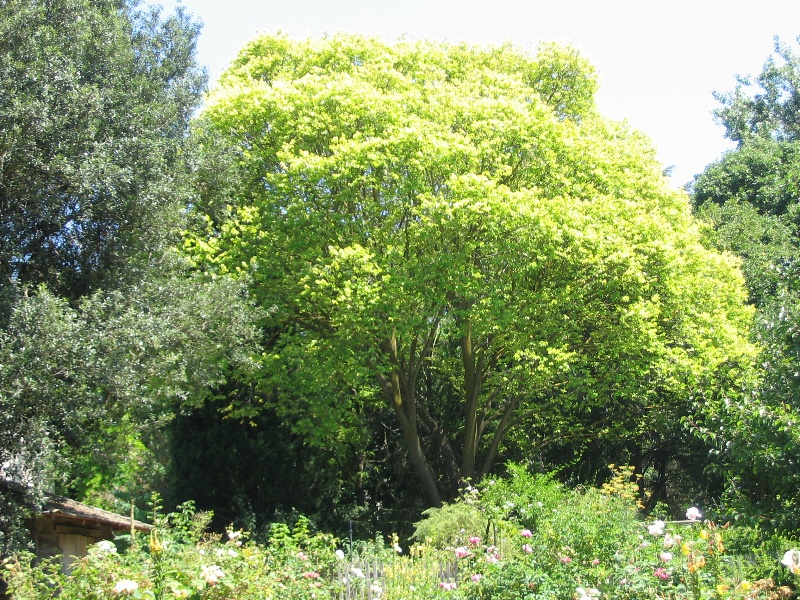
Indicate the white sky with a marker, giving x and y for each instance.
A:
(658, 61)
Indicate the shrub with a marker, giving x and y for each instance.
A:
(450, 525)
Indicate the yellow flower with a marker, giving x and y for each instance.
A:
(155, 545)
(704, 534)
(696, 563)
(744, 586)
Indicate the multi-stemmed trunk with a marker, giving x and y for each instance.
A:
(400, 386)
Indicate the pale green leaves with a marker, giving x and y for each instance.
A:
(462, 216)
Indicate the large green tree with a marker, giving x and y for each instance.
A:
(454, 234)
(96, 99)
(114, 365)
(750, 198)
(101, 327)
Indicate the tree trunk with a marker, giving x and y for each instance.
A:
(400, 391)
(472, 388)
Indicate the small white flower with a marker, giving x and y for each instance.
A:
(397, 548)
(693, 514)
(105, 547)
(791, 560)
(665, 556)
(212, 574)
(339, 554)
(357, 572)
(125, 586)
(234, 535)
(657, 528)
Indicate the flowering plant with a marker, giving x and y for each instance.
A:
(559, 549)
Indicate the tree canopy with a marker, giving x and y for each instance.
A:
(750, 198)
(96, 99)
(102, 328)
(765, 106)
(453, 233)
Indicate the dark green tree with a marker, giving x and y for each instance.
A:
(254, 472)
(85, 391)
(95, 100)
(766, 106)
(102, 330)
(750, 197)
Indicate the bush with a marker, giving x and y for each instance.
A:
(450, 525)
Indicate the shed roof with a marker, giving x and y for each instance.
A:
(71, 510)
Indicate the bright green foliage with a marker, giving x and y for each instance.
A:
(96, 99)
(447, 525)
(453, 232)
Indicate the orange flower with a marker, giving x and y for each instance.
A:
(696, 563)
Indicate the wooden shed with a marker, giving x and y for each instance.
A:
(68, 528)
